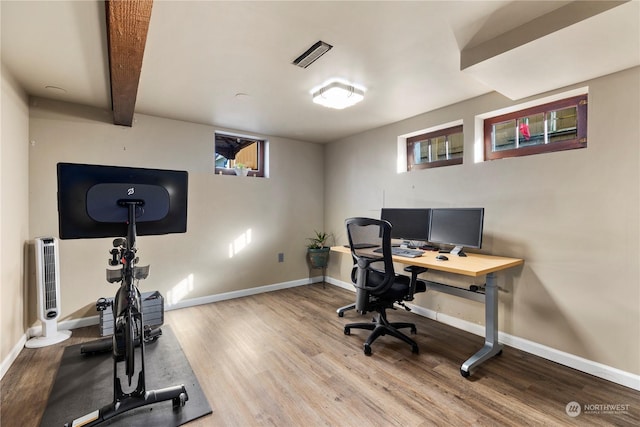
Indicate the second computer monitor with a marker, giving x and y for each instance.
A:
(407, 223)
(459, 227)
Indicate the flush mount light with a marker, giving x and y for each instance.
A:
(337, 94)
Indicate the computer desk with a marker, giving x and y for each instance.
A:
(473, 265)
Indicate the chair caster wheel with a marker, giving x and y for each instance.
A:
(414, 330)
(367, 350)
(347, 331)
(341, 314)
(415, 349)
(465, 373)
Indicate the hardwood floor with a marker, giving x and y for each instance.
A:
(281, 359)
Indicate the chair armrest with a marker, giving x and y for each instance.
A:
(415, 271)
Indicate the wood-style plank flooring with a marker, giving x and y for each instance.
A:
(281, 359)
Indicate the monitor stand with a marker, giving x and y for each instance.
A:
(416, 244)
(457, 251)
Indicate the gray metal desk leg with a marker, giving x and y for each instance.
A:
(491, 345)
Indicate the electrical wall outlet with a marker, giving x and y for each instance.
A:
(281, 257)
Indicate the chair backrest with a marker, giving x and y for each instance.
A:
(375, 273)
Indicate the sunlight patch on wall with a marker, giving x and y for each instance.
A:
(239, 243)
(180, 290)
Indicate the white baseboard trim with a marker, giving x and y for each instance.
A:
(35, 331)
(12, 356)
(341, 284)
(596, 369)
(95, 320)
(239, 294)
(66, 325)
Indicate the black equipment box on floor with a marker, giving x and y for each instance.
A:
(152, 313)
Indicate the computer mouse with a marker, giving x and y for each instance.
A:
(442, 257)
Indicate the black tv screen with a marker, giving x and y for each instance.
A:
(90, 200)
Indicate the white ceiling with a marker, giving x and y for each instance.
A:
(201, 54)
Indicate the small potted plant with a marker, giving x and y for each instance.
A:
(241, 169)
(318, 249)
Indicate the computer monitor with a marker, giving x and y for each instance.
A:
(90, 200)
(459, 227)
(407, 223)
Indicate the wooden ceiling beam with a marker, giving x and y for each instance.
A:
(127, 27)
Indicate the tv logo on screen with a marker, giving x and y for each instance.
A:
(130, 191)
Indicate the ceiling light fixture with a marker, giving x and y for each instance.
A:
(313, 53)
(338, 94)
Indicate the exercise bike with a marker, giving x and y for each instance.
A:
(129, 333)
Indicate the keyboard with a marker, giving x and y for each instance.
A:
(409, 253)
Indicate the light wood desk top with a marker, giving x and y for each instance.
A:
(472, 265)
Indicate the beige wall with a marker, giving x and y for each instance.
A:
(14, 199)
(280, 211)
(573, 216)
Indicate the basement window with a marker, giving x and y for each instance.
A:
(234, 150)
(443, 147)
(555, 126)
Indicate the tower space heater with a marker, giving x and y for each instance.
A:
(48, 287)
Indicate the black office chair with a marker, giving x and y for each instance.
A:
(377, 286)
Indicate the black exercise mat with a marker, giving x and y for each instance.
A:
(85, 383)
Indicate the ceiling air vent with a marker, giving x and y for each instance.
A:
(313, 53)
